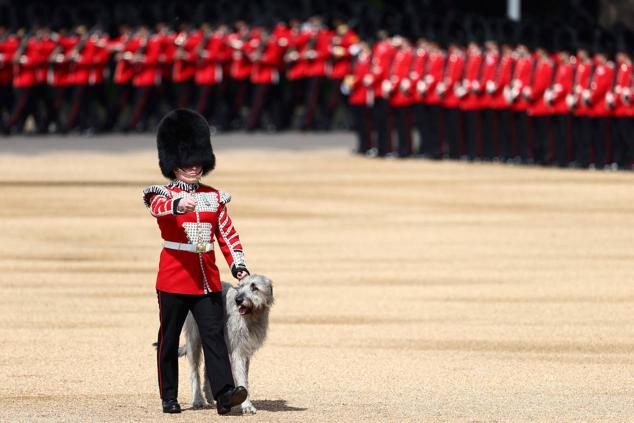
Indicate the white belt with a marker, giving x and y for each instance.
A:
(203, 247)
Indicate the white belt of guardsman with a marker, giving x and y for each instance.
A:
(203, 247)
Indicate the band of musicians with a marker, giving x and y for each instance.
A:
(474, 88)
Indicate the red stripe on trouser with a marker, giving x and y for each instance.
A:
(160, 346)
(20, 108)
(136, 117)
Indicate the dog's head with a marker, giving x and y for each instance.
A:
(254, 295)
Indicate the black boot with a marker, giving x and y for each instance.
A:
(171, 407)
(230, 398)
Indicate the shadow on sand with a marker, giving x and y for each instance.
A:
(275, 406)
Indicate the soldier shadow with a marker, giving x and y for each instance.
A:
(275, 406)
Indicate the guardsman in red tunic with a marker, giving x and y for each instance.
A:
(538, 110)
(185, 60)
(555, 99)
(497, 101)
(582, 125)
(97, 73)
(358, 87)
(146, 79)
(316, 56)
(242, 44)
(451, 91)
(600, 104)
(518, 103)
(192, 218)
(267, 61)
(382, 56)
(433, 140)
(420, 110)
(167, 90)
(26, 60)
(471, 102)
(208, 76)
(340, 65)
(623, 146)
(124, 47)
(80, 59)
(400, 91)
(491, 148)
(9, 44)
(298, 38)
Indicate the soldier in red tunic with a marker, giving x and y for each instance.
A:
(9, 44)
(622, 98)
(191, 216)
(358, 87)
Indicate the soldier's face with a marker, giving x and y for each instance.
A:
(190, 174)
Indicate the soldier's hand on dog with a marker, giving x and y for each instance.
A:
(187, 204)
(242, 274)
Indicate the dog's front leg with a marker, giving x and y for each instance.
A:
(240, 370)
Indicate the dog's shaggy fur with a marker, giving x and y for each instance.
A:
(247, 309)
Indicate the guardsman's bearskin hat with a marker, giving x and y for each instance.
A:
(183, 139)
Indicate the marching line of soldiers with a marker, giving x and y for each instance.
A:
(472, 89)
(268, 76)
(506, 92)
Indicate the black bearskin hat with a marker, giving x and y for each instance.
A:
(183, 139)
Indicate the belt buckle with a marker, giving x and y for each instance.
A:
(201, 247)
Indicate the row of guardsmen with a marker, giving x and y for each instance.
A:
(555, 99)
(63, 78)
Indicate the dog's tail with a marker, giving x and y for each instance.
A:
(181, 350)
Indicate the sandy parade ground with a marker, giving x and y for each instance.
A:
(405, 290)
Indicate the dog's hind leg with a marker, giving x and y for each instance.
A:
(207, 390)
(194, 349)
(240, 370)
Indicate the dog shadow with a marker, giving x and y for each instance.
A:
(275, 406)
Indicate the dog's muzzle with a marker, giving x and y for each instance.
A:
(202, 247)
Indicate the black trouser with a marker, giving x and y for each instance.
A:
(454, 132)
(490, 134)
(429, 122)
(402, 122)
(208, 311)
(265, 102)
(582, 137)
(623, 145)
(541, 151)
(208, 103)
(145, 107)
(600, 140)
(383, 122)
(561, 126)
(523, 135)
(472, 133)
(508, 144)
(361, 115)
(312, 105)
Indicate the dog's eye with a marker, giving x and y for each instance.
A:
(253, 287)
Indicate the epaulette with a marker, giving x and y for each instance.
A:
(155, 190)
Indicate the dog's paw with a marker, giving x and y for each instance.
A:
(198, 403)
(248, 408)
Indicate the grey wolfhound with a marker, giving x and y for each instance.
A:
(247, 309)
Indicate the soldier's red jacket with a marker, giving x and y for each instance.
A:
(361, 93)
(46, 46)
(401, 84)
(495, 90)
(583, 78)
(185, 56)
(471, 81)
(341, 57)
(522, 78)
(100, 57)
(148, 70)
(382, 55)
(126, 46)
(8, 46)
(317, 64)
(268, 59)
(562, 88)
(209, 65)
(417, 73)
(623, 90)
(596, 96)
(24, 71)
(184, 272)
(544, 71)
(453, 75)
(433, 76)
(242, 44)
